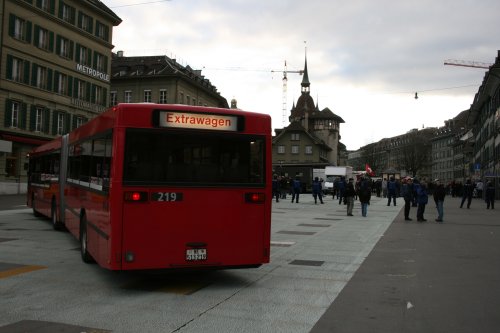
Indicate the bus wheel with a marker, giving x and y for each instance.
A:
(53, 216)
(35, 212)
(86, 257)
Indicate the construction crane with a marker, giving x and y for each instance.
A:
(465, 63)
(285, 89)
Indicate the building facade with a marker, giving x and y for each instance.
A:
(312, 140)
(447, 150)
(484, 122)
(160, 79)
(55, 74)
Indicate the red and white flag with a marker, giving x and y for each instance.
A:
(369, 170)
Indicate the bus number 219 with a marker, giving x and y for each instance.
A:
(167, 196)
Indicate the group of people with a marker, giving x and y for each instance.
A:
(414, 192)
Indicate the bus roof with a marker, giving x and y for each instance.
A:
(139, 115)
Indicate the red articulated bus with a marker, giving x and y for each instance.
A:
(157, 186)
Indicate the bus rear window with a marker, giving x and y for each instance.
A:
(156, 157)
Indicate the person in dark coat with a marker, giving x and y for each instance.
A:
(439, 194)
(365, 193)
(407, 194)
(350, 192)
(490, 195)
(467, 192)
(276, 188)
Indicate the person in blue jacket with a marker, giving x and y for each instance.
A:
(296, 187)
(317, 190)
(422, 199)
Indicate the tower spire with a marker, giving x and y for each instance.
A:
(305, 79)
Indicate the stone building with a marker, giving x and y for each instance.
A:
(159, 79)
(312, 140)
(54, 74)
(484, 121)
(447, 150)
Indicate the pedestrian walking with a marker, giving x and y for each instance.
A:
(391, 191)
(341, 186)
(384, 188)
(439, 194)
(317, 190)
(276, 188)
(296, 187)
(467, 191)
(284, 186)
(365, 193)
(422, 199)
(490, 195)
(407, 194)
(349, 193)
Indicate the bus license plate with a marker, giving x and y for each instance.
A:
(196, 254)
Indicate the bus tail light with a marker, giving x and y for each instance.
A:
(136, 196)
(255, 197)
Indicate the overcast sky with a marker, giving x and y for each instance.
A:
(366, 58)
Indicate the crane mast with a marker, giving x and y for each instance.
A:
(285, 89)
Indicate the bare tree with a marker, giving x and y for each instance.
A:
(415, 154)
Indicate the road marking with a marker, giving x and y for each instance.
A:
(20, 270)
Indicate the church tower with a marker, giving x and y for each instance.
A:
(324, 124)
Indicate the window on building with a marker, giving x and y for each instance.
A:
(281, 149)
(62, 84)
(64, 47)
(44, 39)
(39, 119)
(67, 13)
(147, 96)
(101, 31)
(41, 77)
(113, 98)
(295, 136)
(85, 22)
(188, 100)
(78, 121)
(100, 62)
(46, 5)
(181, 98)
(81, 90)
(20, 29)
(60, 123)
(83, 55)
(295, 149)
(14, 115)
(98, 95)
(163, 96)
(309, 150)
(128, 96)
(18, 70)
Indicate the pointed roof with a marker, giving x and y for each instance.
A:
(305, 79)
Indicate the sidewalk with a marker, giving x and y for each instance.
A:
(426, 277)
(12, 201)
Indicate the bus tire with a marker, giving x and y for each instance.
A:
(35, 212)
(86, 257)
(57, 225)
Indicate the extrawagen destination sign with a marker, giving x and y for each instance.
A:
(177, 119)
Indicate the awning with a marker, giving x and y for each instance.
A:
(22, 139)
